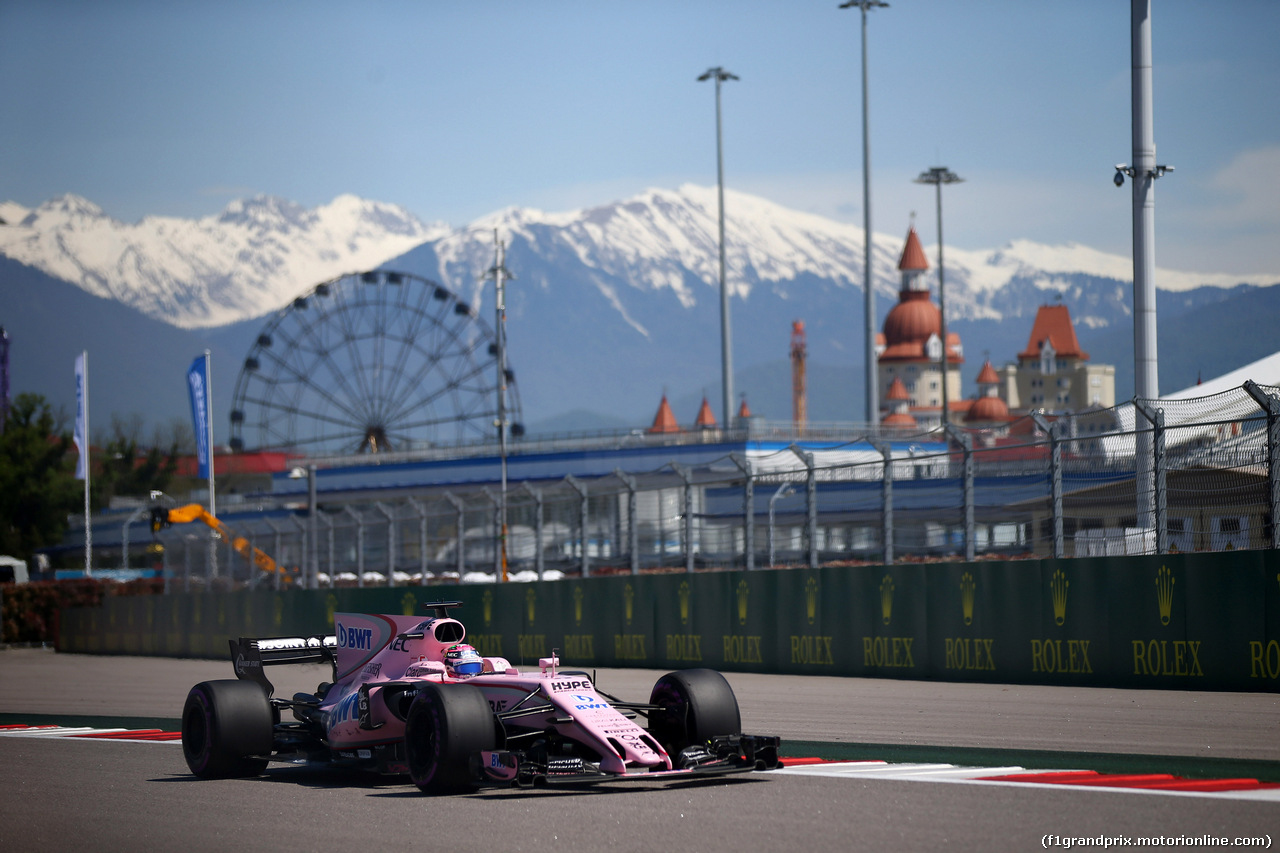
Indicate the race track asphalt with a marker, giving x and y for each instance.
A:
(75, 794)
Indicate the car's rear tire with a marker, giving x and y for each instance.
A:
(698, 704)
(444, 733)
(227, 728)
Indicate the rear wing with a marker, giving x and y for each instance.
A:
(249, 655)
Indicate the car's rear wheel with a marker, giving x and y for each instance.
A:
(444, 733)
(697, 705)
(227, 729)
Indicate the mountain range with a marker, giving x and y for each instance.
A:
(611, 306)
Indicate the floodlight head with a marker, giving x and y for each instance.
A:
(1119, 178)
(937, 175)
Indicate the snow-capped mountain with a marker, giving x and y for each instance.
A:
(611, 305)
(260, 253)
(252, 258)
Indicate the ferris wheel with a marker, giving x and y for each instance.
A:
(368, 363)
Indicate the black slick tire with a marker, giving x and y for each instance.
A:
(447, 727)
(697, 705)
(227, 729)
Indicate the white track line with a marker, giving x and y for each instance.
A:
(980, 775)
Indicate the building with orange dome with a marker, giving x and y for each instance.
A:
(988, 410)
(909, 350)
(1053, 373)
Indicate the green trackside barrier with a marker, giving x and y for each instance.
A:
(1181, 621)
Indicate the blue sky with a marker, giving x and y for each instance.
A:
(457, 109)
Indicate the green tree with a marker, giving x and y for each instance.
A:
(127, 469)
(38, 488)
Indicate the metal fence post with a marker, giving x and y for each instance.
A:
(497, 531)
(688, 513)
(359, 544)
(1055, 479)
(302, 538)
(459, 537)
(886, 499)
(633, 539)
(539, 561)
(421, 510)
(748, 511)
(966, 446)
(391, 541)
(1271, 406)
(1160, 502)
(124, 536)
(783, 491)
(810, 504)
(581, 488)
(328, 523)
(279, 549)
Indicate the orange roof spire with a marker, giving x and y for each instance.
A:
(664, 420)
(988, 375)
(743, 411)
(706, 418)
(913, 257)
(1053, 324)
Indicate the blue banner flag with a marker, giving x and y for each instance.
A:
(82, 417)
(198, 385)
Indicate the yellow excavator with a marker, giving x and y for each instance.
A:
(161, 517)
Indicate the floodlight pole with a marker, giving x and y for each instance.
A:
(869, 296)
(939, 175)
(726, 345)
(500, 275)
(1144, 172)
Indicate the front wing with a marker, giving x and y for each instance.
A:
(723, 755)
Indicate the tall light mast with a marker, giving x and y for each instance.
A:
(500, 275)
(726, 346)
(1144, 171)
(869, 295)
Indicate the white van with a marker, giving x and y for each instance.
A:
(12, 570)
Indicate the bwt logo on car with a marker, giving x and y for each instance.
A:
(355, 638)
(347, 709)
(589, 703)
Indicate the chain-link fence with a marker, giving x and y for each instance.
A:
(1193, 474)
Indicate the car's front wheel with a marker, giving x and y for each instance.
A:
(227, 729)
(696, 705)
(444, 733)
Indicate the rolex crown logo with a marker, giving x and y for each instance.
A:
(1058, 586)
(408, 603)
(811, 599)
(886, 598)
(577, 605)
(743, 591)
(684, 602)
(628, 601)
(530, 599)
(1164, 593)
(967, 589)
(278, 614)
(486, 602)
(330, 607)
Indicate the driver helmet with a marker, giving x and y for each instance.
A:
(463, 660)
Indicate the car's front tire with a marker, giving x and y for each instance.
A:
(444, 733)
(227, 728)
(697, 705)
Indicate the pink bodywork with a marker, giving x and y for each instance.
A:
(372, 650)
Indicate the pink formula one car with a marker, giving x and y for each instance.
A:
(409, 696)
